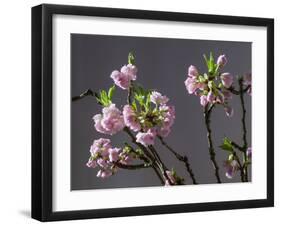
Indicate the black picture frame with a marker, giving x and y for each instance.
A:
(42, 111)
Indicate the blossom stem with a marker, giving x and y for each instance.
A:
(245, 143)
(129, 95)
(240, 166)
(237, 146)
(153, 160)
(132, 167)
(180, 158)
(88, 92)
(161, 165)
(207, 114)
(236, 92)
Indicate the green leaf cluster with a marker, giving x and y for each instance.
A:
(211, 65)
(141, 98)
(104, 97)
(227, 145)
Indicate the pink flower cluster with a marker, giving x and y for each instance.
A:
(110, 121)
(163, 118)
(146, 138)
(104, 156)
(206, 88)
(146, 121)
(131, 118)
(158, 99)
(124, 77)
(169, 115)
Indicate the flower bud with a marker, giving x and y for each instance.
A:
(227, 79)
(228, 111)
(211, 97)
(192, 71)
(221, 61)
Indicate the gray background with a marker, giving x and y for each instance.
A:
(162, 65)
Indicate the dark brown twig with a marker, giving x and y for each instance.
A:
(146, 151)
(132, 167)
(245, 143)
(88, 92)
(207, 115)
(180, 158)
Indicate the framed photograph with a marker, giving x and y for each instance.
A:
(146, 112)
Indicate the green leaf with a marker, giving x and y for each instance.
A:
(201, 79)
(98, 98)
(226, 145)
(211, 64)
(134, 106)
(147, 103)
(111, 92)
(230, 157)
(131, 58)
(206, 61)
(102, 98)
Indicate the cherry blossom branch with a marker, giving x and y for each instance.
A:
(156, 157)
(161, 165)
(153, 160)
(129, 96)
(132, 167)
(237, 92)
(180, 158)
(240, 166)
(245, 143)
(237, 146)
(88, 92)
(207, 114)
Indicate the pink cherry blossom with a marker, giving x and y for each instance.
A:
(130, 70)
(104, 173)
(113, 154)
(97, 119)
(146, 138)
(110, 122)
(164, 131)
(211, 97)
(191, 85)
(203, 100)
(220, 98)
(100, 145)
(130, 118)
(157, 98)
(169, 115)
(124, 77)
(91, 163)
(227, 79)
(192, 71)
(120, 79)
(231, 168)
(102, 163)
(247, 79)
(125, 159)
(221, 61)
(227, 94)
